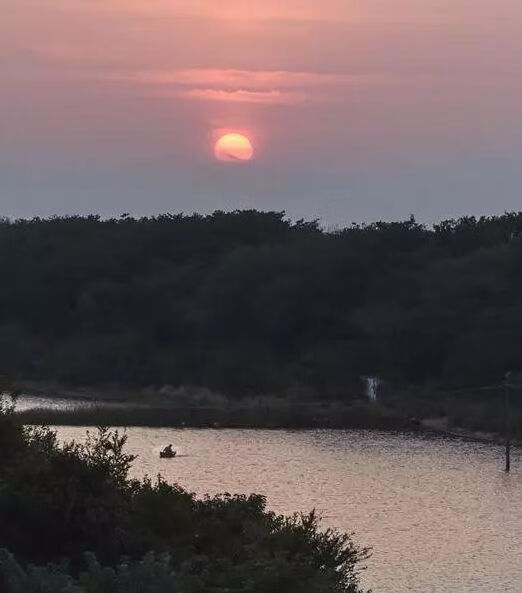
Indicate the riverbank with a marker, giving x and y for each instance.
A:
(282, 416)
(350, 418)
(201, 408)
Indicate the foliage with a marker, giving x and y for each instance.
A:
(59, 502)
(250, 303)
(150, 575)
(11, 433)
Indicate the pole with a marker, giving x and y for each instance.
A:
(507, 420)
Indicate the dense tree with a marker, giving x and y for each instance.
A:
(249, 302)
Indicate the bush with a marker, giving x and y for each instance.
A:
(150, 575)
(58, 502)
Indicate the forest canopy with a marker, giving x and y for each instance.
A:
(250, 302)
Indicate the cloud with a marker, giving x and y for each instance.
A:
(230, 78)
(279, 87)
(273, 97)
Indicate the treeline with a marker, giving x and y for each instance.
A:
(249, 302)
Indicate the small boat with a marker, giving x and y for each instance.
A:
(167, 454)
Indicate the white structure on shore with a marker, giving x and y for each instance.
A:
(372, 387)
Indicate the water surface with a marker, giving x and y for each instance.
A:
(441, 515)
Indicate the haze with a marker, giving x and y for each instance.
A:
(358, 110)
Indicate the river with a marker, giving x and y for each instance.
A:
(440, 514)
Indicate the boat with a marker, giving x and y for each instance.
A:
(167, 455)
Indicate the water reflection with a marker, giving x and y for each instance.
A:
(441, 515)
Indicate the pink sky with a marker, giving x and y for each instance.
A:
(357, 110)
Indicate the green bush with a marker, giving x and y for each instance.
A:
(59, 502)
(150, 575)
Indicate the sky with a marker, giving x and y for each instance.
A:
(357, 110)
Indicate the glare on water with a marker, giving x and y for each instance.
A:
(440, 514)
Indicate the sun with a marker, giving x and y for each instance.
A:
(233, 148)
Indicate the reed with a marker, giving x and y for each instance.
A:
(357, 415)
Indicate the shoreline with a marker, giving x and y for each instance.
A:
(249, 417)
(122, 418)
(201, 408)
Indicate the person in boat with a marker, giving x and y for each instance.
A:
(168, 451)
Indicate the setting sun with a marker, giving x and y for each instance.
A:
(233, 147)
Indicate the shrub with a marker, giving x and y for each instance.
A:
(59, 502)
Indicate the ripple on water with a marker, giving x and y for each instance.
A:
(440, 514)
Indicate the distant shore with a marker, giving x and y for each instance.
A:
(303, 416)
(200, 408)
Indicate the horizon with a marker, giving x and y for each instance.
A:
(326, 228)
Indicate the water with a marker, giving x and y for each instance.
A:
(441, 515)
(33, 402)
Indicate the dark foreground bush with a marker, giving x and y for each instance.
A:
(150, 575)
(59, 502)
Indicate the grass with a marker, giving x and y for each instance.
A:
(288, 415)
(478, 413)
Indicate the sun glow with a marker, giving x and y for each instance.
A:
(233, 147)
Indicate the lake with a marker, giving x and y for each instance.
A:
(440, 514)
